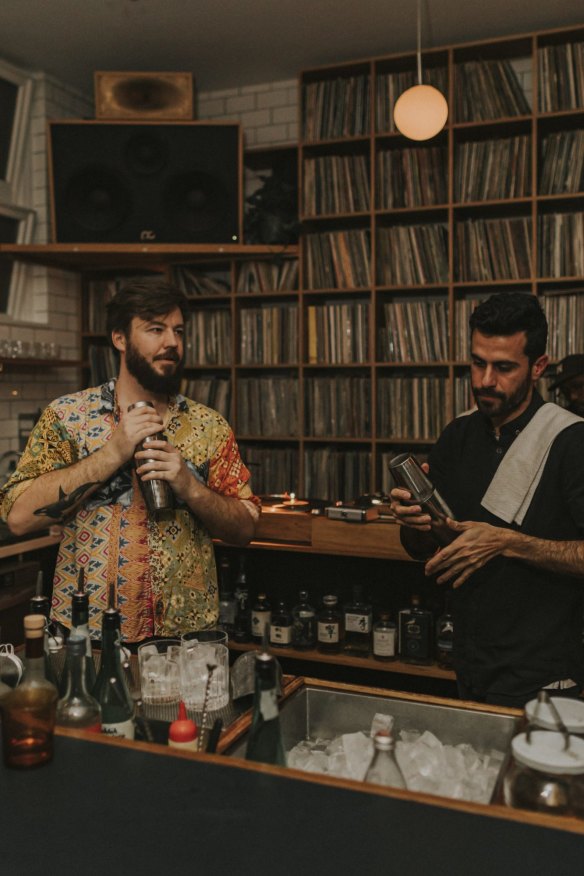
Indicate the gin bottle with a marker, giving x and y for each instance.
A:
(80, 628)
(445, 635)
(417, 634)
(227, 601)
(265, 737)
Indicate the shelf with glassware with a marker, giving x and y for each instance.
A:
(424, 230)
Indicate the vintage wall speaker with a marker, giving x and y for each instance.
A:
(153, 182)
(144, 96)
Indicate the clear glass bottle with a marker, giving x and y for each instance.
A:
(445, 634)
(384, 638)
(77, 708)
(418, 628)
(111, 688)
(304, 624)
(261, 616)
(80, 627)
(330, 630)
(281, 627)
(384, 768)
(358, 616)
(227, 600)
(39, 605)
(265, 737)
(28, 711)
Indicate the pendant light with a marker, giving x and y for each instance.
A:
(421, 111)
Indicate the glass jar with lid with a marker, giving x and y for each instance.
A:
(546, 773)
(570, 710)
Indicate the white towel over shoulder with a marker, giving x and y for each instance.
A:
(511, 490)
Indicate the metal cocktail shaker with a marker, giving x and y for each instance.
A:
(158, 495)
(408, 473)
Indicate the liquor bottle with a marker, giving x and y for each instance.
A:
(281, 627)
(330, 632)
(80, 628)
(227, 601)
(417, 634)
(77, 708)
(304, 624)
(384, 638)
(4, 688)
(242, 631)
(265, 737)
(111, 688)
(384, 768)
(28, 711)
(39, 605)
(358, 624)
(445, 634)
(261, 615)
(182, 733)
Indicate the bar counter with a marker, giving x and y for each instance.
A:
(112, 806)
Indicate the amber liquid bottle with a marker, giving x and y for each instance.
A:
(28, 711)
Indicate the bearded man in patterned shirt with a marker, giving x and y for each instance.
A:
(81, 469)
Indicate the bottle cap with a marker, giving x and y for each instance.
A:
(183, 729)
(383, 740)
(331, 599)
(34, 626)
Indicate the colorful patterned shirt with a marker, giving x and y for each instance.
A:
(164, 571)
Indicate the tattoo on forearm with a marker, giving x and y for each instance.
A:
(58, 510)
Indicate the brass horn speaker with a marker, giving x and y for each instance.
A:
(144, 96)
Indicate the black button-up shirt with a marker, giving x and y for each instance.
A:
(518, 627)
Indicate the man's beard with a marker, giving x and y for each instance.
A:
(497, 405)
(148, 378)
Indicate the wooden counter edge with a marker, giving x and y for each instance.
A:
(31, 544)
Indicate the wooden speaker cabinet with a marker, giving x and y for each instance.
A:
(144, 96)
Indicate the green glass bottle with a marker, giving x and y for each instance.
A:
(111, 689)
(80, 627)
(265, 737)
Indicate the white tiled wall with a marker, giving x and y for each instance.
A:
(268, 113)
(50, 310)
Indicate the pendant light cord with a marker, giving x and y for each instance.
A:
(419, 25)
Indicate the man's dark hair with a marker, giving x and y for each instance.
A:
(507, 313)
(146, 300)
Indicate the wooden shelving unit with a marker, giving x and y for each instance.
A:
(478, 182)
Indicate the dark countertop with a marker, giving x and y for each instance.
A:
(117, 809)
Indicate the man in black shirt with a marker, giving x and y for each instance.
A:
(512, 473)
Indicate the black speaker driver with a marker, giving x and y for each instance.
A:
(146, 153)
(97, 199)
(195, 202)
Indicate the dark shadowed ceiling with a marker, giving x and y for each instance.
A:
(230, 43)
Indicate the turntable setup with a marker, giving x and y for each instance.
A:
(288, 502)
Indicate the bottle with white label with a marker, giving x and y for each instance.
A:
(384, 638)
(261, 616)
(330, 630)
(281, 627)
(111, 689)
(265, 737)
(358, 624)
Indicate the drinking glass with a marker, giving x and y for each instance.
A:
(158, 661)
(199, 651)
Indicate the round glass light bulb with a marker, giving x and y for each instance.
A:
(420, 112)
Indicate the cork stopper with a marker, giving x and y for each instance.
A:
(34, 626)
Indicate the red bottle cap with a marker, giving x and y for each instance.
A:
(183, 729)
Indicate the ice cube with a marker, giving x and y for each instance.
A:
(381, 722)
(358, 750)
